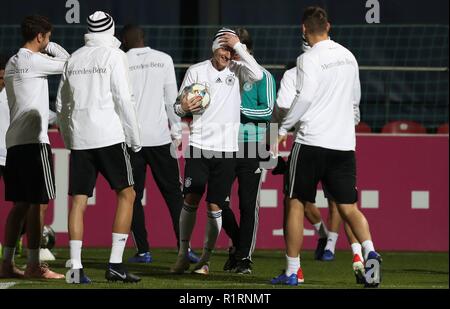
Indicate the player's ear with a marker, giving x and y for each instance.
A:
(328, 27)
(304, 29)
(40, 37)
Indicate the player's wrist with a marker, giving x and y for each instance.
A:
(179, 110)
(238, 46)
(282, 132)
(176, 136)
(49, 48)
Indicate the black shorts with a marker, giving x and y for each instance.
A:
(217, 170)
(326, 193)
(2, 171)
(113, 162)
(335, 169)
(28, 173)
(286, 184)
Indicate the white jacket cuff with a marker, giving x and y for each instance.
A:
(282, 131)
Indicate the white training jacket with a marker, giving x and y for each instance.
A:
(95, 105)
(327, 91)
(217, 128)
(4, 124)
(152, 76)
(27, 91)
(286, 95)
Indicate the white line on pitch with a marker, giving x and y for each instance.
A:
(7, 285)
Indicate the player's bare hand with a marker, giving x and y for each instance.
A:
(274, 150)
(178, 142)
(274, 145)
(191, 105)
(282, 140)
(229, 40)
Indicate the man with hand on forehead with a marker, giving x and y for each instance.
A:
(213, 139)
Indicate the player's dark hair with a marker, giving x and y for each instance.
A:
(315, 19)
(3, 61)
(245, 38)
(132, 36)
(33, 25)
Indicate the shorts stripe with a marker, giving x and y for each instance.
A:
(47, 172)
(293, 167)
(50, 174)
(44, 169)
(178, 166)
(291, 164)
(128, 165)
(255, 226)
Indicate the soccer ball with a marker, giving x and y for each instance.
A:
(198, 89)
(48, 238)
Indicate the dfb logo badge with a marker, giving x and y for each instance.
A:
(187, 182)
(248, 86)
(230, 80)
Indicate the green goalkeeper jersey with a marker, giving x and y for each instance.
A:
(256, 108)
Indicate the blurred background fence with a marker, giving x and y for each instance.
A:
(403, 68)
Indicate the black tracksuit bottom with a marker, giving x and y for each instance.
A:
(243, 235)
(166, 173)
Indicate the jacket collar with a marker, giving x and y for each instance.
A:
(139, 49)
(323, 43)
(101, 39)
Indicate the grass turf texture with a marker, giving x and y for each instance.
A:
(400, 270)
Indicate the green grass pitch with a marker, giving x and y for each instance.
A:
(400, 270)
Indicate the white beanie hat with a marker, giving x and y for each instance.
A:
(220, 33)
(100, 22)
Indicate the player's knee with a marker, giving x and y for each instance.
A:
(332, 207)
(18, 213)
(334, 214)
(213, 207)
(127, 194)
(347, 210)
(44, 207)
(79, 202)
(21, 207)
(310, 209)
(192, 199)
(296, 204)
